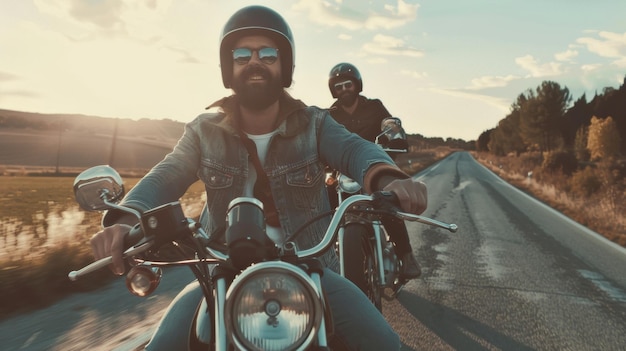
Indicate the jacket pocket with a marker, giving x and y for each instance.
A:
(306, 176)
(216, 177)
(305, 186)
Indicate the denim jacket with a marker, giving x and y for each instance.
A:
(211, 150)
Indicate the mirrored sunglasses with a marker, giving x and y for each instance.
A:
(242, 56)
(343, 85)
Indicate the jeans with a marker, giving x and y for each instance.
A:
(357, 322)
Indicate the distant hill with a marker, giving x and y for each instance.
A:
(164, 128)
(35, 140)
(71, 141)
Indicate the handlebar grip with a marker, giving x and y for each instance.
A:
(386, 199)
(134, 235)
(132, 238)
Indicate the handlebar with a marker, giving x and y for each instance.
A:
(329, 236)
(138, 243)
(395, 150)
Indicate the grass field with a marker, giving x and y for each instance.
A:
(44, 235)
(41, 211)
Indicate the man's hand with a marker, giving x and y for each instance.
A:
(110, 242)
(412, 194)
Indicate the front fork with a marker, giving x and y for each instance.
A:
(379, 235)
(391, 280)
(221, 339)
(322, 340)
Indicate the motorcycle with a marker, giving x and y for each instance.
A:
(250, 295)
(367, 256)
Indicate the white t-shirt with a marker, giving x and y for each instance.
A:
(262, 142)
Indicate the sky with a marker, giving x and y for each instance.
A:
(447, 68)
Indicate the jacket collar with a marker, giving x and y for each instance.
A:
(336, 106)
(290, 122)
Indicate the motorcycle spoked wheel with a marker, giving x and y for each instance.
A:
(360, 263)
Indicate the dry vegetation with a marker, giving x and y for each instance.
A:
(44, 235)
(593, 196)
(422, 159)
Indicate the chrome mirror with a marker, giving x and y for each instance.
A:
(98, 187)
(392, 126)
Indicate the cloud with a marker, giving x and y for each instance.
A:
(612, 45)
(492, 82)
(377, 60)
(337, 14)
(567, 55)
(414, 74)
(390, 46)
(19, 93)
(101, 14)
(590, 67)
(536, 69)
(499, 103)
(344, 37)
(5, 77)
(185, 56)
(621, 63)
(138, 19)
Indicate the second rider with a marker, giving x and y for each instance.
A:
(364, 117)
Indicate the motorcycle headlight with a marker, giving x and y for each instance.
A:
(348, 185)
(273, 306)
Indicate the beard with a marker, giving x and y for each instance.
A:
(257, 95)
(347, 98)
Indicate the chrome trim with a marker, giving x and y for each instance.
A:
(289, 269)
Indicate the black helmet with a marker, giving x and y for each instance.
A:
(257, 20)
(342, 71)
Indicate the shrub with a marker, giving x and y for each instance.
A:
(586, 182)
(560, 161)
(530, 160)
(35, 282)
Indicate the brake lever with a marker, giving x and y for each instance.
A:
(451, 227)
(388, 201)
(144, 245)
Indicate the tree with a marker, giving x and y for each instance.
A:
(541, 115)
(554, 101)
(483, 140)
(506, 137)
(531, 121)
(580, 144)
(575, 118)
(603, 141)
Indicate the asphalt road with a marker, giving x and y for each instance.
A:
(516, 276)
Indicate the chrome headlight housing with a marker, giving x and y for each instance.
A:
(273, 306)
(348, 185)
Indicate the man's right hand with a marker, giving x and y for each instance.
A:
(110, 242)
(412, 194)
